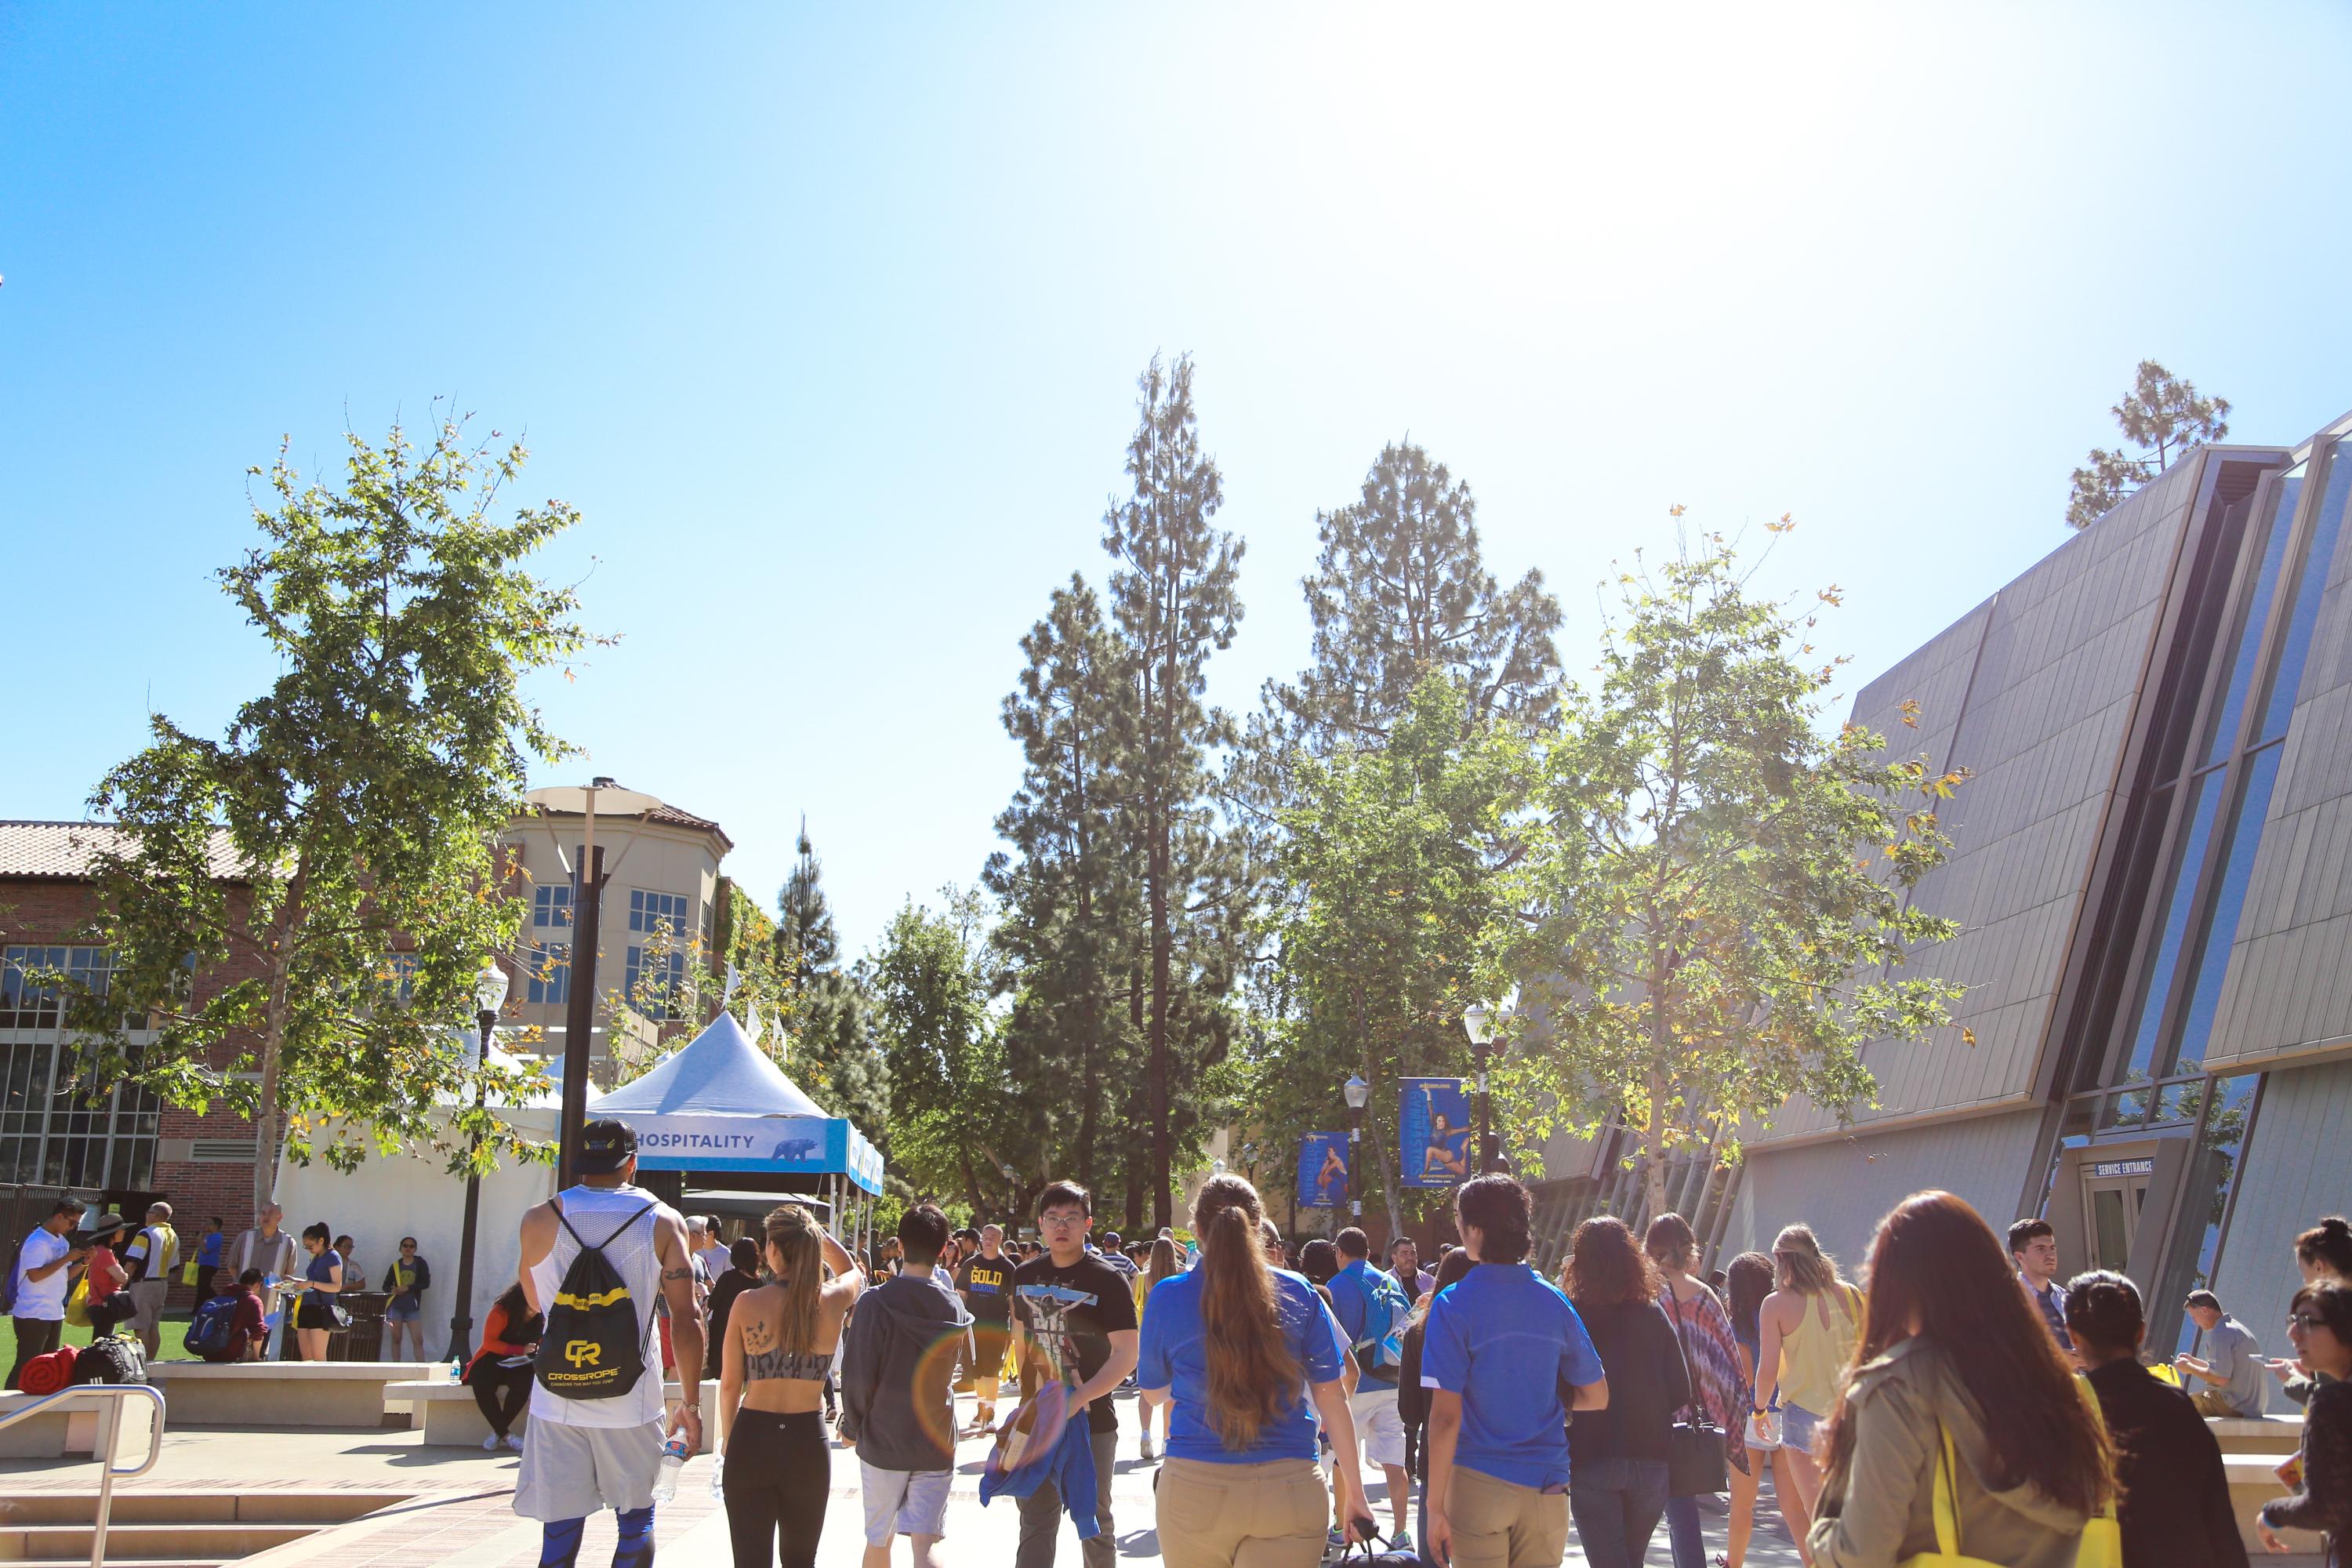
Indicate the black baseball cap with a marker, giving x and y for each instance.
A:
(605, 1146)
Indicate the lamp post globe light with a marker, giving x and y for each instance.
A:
(490, 988)
(1479, 1022)
(1358, 1093)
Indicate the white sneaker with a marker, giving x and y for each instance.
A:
(490, 1444)
(1149, 1451)
(514, 1442)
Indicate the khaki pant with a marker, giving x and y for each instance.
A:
(1269, 1515)
(1500, 1525)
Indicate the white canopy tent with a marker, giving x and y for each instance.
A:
(720, 1103)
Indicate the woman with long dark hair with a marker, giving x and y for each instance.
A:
(2175, 1510)
(1413, 1399)
(502, 1391)
(1241, 1348)
(314, 1315)
(1746, 1284)
(1718, 1368)
(1956, 1383)
(1617, 1475)
(780, 1341)
(2320, 1325)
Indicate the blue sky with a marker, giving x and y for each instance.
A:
(830, 325)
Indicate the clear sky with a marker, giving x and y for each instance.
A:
(830, 324)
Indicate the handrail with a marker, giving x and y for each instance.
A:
(111, 1421)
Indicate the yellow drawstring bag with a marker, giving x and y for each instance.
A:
(78, 1303)
(2101, 1545)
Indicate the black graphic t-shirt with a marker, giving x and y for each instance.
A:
(987, 1285)
(1069, 1315)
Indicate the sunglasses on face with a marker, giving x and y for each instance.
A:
(2306, 1321)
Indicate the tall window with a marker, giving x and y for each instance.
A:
(547, 971)
(651, 912)
(50, 1130)
(653, 981)
(550, 907)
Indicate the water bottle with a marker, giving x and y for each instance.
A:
(673, 1460)
(458, 1369)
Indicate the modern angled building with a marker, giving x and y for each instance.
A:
(2152, 864)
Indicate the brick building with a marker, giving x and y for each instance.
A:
(131, 1147)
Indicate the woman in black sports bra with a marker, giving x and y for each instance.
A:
(780, 1340)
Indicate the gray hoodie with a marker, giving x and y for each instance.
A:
(1883, 1510)
(897, 1376)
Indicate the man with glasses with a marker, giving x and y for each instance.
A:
(1074, 1318)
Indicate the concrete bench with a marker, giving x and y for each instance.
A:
(69, 1429)
(452, 1419)
(2279, 1434)
(278, 1393)
(2253, 1481)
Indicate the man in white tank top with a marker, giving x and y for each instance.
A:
(581, 1455)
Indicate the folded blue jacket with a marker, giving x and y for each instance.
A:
(1038, 1456)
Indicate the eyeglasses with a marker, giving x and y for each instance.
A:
(2305, 1320)
(1063, 1218)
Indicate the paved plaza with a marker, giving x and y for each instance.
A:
(458, 1515)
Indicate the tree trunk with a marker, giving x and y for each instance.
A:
(268, 1140)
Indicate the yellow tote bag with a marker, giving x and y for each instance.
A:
(78, 1303)
(2101, 1546)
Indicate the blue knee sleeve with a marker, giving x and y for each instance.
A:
(635, 1549)
(558, 1543)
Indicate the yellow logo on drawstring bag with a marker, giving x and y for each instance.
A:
(583, 1352)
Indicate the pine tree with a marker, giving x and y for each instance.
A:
(1174, 601)
(827, 1012)
(1068, 889)
(1399, 591)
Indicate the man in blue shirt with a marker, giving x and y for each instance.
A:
(1361, 1300)
(1497, 1349)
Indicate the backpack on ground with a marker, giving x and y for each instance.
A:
(209, 1329)
(1386, 1309)
(112, 1359)
(594, 1347)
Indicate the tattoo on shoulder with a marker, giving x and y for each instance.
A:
(757, 1336)
(677, 1273)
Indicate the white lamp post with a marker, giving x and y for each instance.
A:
(490, 988)
(1358, 1093)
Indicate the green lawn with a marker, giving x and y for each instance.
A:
(175, 1328)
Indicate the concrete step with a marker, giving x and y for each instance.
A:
(162, 1506)
(145, 1542)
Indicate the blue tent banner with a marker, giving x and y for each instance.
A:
(1433, 1126)
(1323, 1170)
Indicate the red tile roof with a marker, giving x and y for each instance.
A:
(68, 850)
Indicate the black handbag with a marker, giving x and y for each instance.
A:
(1699, 1458)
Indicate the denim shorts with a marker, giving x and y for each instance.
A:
(397, 1313)
(1800, 1428)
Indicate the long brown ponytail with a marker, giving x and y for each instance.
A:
(799, 1262)
(1253, 1376)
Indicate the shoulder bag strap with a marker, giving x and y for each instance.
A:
(1690, 1373)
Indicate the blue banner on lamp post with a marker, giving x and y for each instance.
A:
(1433, 1125)
(1323, 1170)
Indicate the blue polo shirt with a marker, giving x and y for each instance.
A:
(1505, 1340)
(1174, 1354)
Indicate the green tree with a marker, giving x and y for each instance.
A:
(1399, 853)
(359, 797)
(1401, 589)
(2164, 417)
(1068, 890)
(951, 1113)
(1722, 893)
(825, 1012)
(1174, 601)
